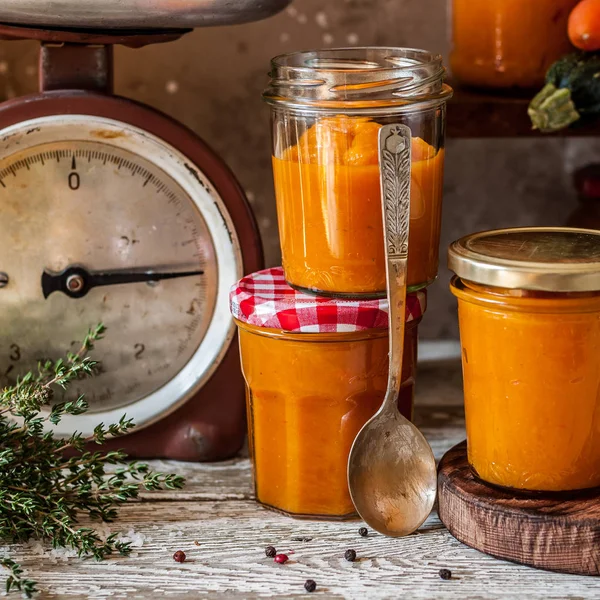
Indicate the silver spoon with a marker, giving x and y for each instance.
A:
(391, 470)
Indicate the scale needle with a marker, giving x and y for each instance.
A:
(76, 281)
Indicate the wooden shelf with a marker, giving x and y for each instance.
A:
(474, 114)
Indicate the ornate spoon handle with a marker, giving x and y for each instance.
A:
(395, 168)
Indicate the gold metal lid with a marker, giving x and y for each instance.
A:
(552, 259)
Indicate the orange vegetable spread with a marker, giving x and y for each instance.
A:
(505, 43)
(329, 209)
(531, 364)
(308, 396)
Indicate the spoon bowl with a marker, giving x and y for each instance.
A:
(391, 469)
(392, 475)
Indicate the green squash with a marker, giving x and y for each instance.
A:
(571, 93)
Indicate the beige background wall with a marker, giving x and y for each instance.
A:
(212, 81)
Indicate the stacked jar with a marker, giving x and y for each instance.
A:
(313, 336)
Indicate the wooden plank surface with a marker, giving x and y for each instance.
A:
(230, 561)
(216, 509)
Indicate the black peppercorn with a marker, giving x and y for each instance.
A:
(363, 532)
(446, 574)
(179, 556)
(310, 585)
(270, 551)
(350, 555)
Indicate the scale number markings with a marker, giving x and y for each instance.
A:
(74, 179)
(130, 370)
(15, 353)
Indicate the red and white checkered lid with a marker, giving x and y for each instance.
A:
(264, 299)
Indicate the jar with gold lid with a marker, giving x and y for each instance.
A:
(529, 316)
(316, 371)
(327, 107)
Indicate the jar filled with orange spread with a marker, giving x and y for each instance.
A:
(327, 109)
(315, 370)
(507, 43)
(529, 314)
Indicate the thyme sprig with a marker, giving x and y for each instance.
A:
(48, 483)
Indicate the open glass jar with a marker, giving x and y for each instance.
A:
(529, 314)
(316, 370)
(507, 43)
(327, 108)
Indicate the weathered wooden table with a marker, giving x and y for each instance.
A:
(217, 511)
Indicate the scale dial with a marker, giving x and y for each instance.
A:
(103, 222)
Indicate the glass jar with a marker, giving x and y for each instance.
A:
(507, 43)
(315, 370)
(529, 315)
(327, 108)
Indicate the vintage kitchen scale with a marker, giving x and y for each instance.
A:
(113, 212)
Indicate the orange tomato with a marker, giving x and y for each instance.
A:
(584, 25)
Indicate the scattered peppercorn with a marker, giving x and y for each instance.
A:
(310, 585)
(281, 559)
(270, 551)
(196, 543)
(446, 574)
(350, 555)
(363, 532)
(179, 556)
(301, 539)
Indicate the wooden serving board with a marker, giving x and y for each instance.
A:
(546, 531)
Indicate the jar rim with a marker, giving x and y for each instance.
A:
(357, 78)
(552, 259)
(556, 303)
(289, 59)
(324, 337)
